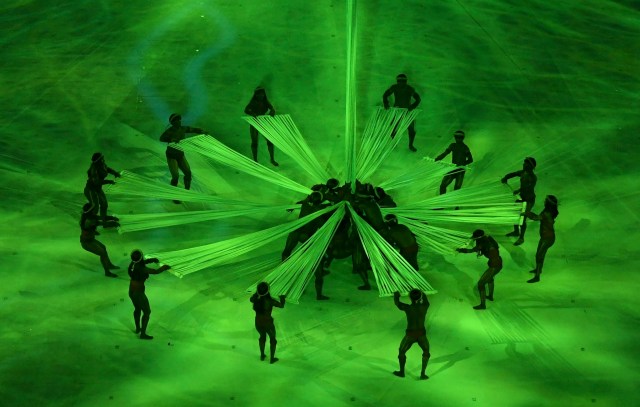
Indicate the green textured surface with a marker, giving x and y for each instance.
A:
(555, 80)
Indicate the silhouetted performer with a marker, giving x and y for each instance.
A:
(527, 194)
(176, 158)
(416, 331)
(369, 210)
(341, 245)
(330, 190)
(403, 239)
(460, 156)
(313, 203)
(547, 232)
(96, 178)
(402, 95)
(488, 247)
(263, 305)
(89, 221)
(259, 105)
(139, 273)
(383, 199)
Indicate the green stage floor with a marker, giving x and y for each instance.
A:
(554, 80)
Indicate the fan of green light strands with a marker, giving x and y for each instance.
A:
(283, 133)
(488, 203)
(292, 276)
(436, 239)
(392, 272)
(132, 184)
(427, 173)
(377, 142)
(187, 261)
(145, 221)
(218, 152)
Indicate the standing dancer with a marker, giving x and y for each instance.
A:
(402, 95)
(547, 233)
(176, 158)
(488, 247)
(259, 105)
(89, 221)
(460, 156)
(527, 194)
(96, 178)
(416, 332)
(139, 272)
(263, 305)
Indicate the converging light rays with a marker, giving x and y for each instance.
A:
(187, 261)
(283, 133)
(292, 276)
(132, 184)
(487, 194)
(392, 272)
(378, 140)
(145, 221)
(424, 174)
(350, 108)
(215, 150)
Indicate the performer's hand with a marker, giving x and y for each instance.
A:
(460, 250)
(165, 267)
(282, 298)
(117, 175)
(396, 294)
(503, 180)
(110, 182)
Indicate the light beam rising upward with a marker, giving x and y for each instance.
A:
(350, 111)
